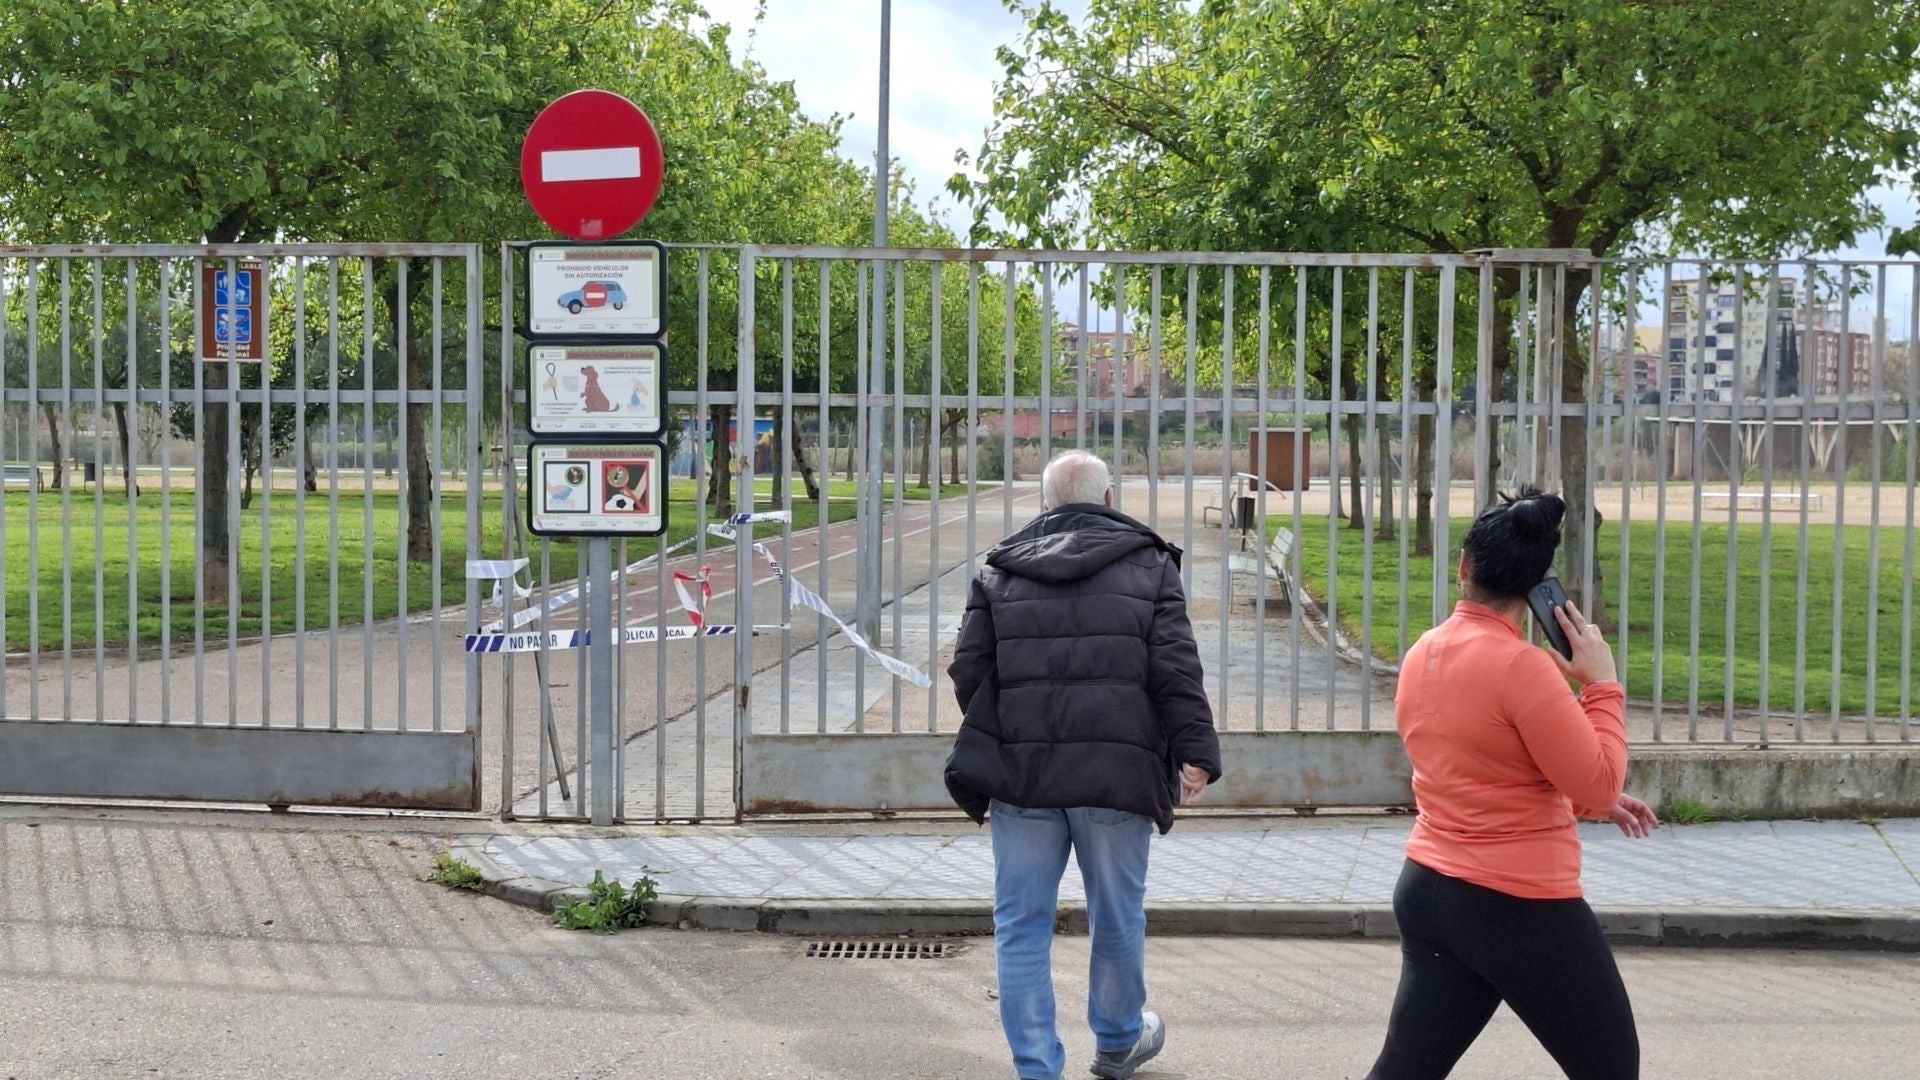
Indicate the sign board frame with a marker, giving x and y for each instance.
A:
(599, 482)
(250, 316)
(546, 281)
(596, 390)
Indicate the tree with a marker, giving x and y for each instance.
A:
(1599, 125)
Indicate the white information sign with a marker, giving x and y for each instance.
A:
(595, 389)
(596, 290)
(597, 490)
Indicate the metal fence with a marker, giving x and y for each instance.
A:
(263, 624)
(1315, 431)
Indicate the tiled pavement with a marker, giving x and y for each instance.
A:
(1780, 865)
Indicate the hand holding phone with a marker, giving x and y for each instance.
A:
(1545, 599)
(1592, 657)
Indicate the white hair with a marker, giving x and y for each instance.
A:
(1074, 477)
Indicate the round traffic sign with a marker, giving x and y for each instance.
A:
(592, 165)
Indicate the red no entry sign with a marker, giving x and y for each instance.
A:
(592, 165)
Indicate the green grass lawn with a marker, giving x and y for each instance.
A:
(283, 574)
(1675, 623)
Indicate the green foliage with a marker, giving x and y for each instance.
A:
(1688, 812)
(455, 873)
(608, 908)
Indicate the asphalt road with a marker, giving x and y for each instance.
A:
(242, 945)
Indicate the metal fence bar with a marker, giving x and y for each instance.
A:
(1844, 414)
(403, 505)
(437, 509)
(1193, 347)
(1228, 390)
(701, 483)
(510, 537)
(473, 276)
(1259, 466)
(1085, 368)
(1734, 468)
(826, 503)
(745, 496)
(1369, 484)
(1695, 465)
(784, 498)
(1336, 345)
(33, 488)
(1154, 361)
(66, 492)
(898, 408)
(1876, 381)
(367, 292)
(33, 502)
(1663, 466)
(1769, 369)
(98, 333)
(1529, 318)
(333, 493)
(1912, 474)
(1007, 414)
(1808, 281)
(973, 426)
(1296, 577)
(933, 490)
(1632, 452)
(863, 437)
(1045, 274)
(1443, 443)
(1118, 366)
(1407, 475)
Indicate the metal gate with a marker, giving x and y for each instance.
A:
(241, 486)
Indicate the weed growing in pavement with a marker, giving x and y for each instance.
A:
(609, 906)
(455, 873)
(1689, 812)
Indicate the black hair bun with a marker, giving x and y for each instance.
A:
(1536, 515)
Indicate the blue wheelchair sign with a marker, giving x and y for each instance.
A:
(233, 327)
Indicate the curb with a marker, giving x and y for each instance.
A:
(1682, 927)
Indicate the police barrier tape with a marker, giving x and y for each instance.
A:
(489, 569)
(490, 640)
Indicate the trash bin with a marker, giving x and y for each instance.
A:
(1243, 512)
(90, 471)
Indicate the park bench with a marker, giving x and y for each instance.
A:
(22, 476)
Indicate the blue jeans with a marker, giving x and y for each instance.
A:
(1029, 856)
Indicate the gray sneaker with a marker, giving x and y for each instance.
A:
(1120, 1065)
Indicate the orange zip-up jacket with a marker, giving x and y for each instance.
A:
(1504, 756)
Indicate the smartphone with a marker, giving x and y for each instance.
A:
(1545, 597)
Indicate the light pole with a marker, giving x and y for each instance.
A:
(873, 499)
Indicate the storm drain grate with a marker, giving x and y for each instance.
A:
(877, 950)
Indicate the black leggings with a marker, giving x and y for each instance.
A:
(1465, 949)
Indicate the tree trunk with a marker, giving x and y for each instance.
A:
(720, 468)
(1423, 469)
(1577, 489)
(951, 434)
(210, 488)
(926, 454)
(853, 450)
(801, 462)
(420, 474)
(309, 469)
(126, 449)
(1357, 518)
(59, 455)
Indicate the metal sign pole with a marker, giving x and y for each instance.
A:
(598, 590)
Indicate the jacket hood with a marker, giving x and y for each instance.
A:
(1071, 543)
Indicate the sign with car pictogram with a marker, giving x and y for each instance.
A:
(611, 290)
(233, 311)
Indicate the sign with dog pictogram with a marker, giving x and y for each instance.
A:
(599, 390)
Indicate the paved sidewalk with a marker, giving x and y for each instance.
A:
(1728, 882)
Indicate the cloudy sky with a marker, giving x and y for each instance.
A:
(943, 73)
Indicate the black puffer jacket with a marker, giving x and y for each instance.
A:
(1077, 668)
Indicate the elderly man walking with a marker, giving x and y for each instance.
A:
(1085, 718)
